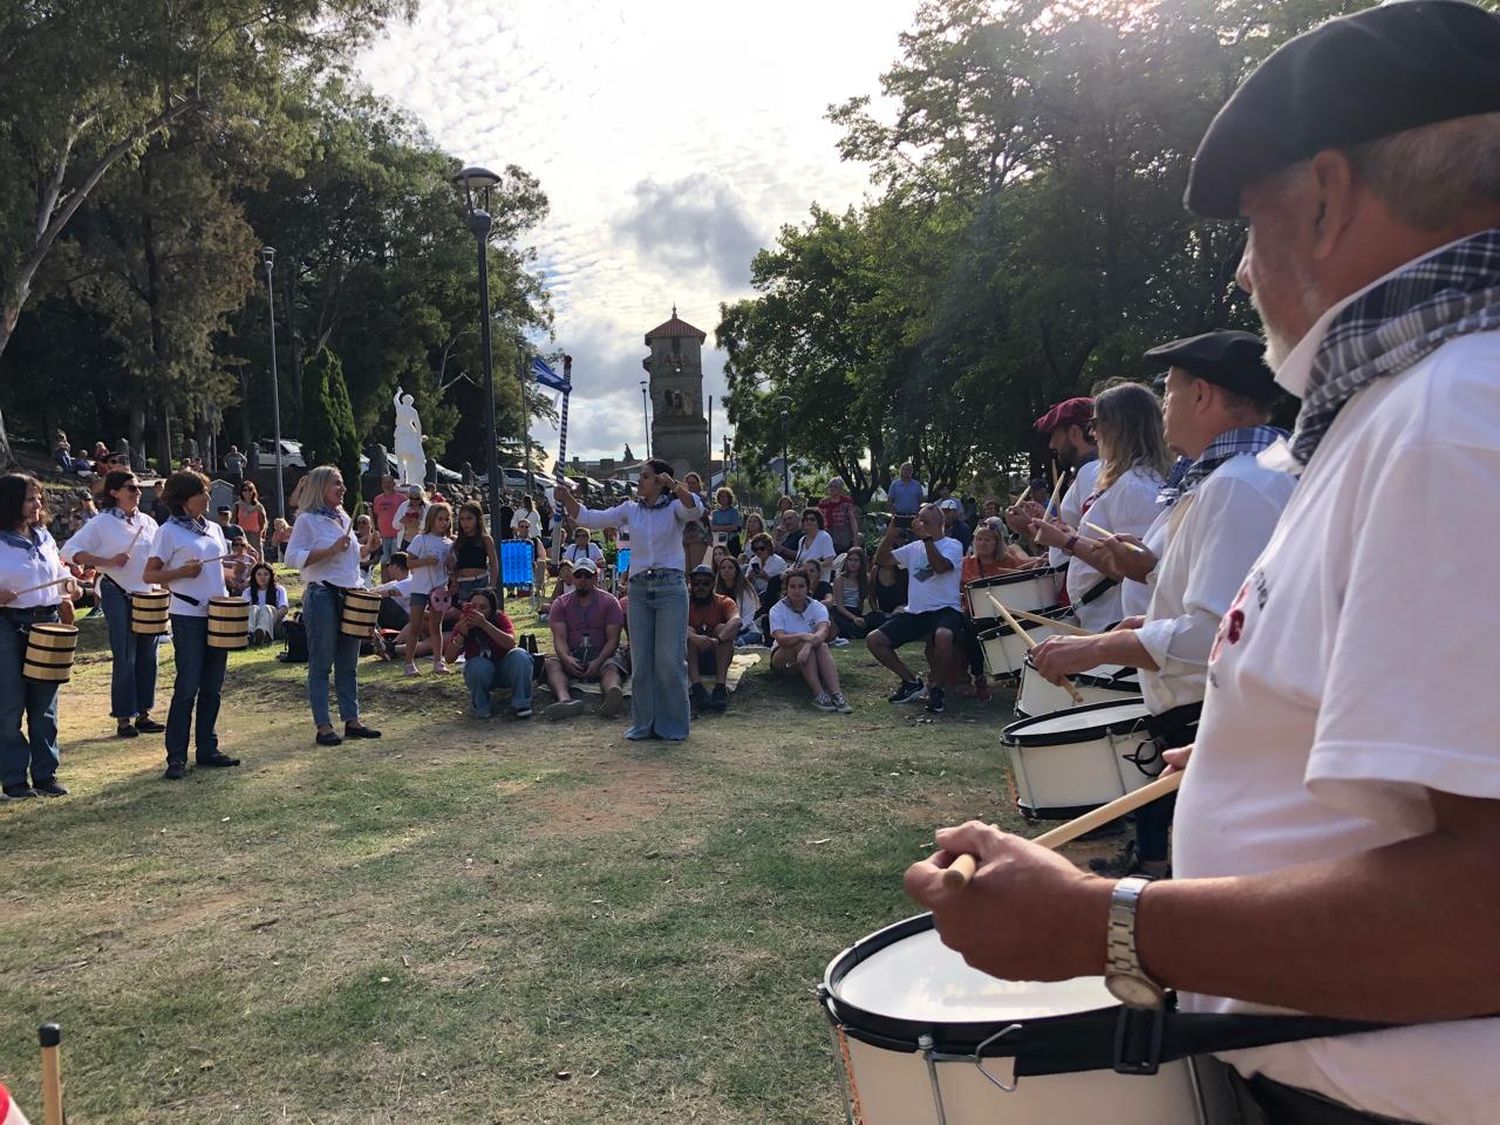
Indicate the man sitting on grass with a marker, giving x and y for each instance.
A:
(586, 624)
(713, 624)
(933, 607)
(800, 631)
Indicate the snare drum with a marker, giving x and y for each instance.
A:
(1108, 683)
(1003, 649)
(1069, 762)
(49, 652)
(228, 623)
(923, 1039)
(1031, 590)
(148, 612)
(361, 612)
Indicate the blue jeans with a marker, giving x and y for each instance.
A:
(37, 702)
(658, 652)
(132, 675)
(327, 647)
(483, 675)
(200, 680)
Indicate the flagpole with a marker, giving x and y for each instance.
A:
(523, 354)
(562, 453)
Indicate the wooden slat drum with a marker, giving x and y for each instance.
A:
(49, 652)
(361, 612)
(149, 610)
(228, 623)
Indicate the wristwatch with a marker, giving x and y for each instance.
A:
(1123, 975)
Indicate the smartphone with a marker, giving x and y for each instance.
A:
(903, 522)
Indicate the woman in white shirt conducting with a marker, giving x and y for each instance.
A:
(117, 542)
(324, 548)
(187, 559)
(1133, 460)
(658, 596)
(28, 558)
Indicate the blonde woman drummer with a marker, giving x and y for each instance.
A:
(28, 559)
(187, 559)
(117, 542)
(325, 549)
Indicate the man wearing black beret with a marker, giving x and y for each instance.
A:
(1337, 836)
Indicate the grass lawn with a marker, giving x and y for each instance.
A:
(466, 921)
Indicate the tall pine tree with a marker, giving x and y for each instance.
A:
(328, 433)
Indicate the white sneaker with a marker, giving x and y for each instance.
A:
(839, 642)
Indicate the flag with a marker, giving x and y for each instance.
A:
(10, 1113)
(548, 377)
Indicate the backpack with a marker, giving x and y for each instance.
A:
(295, 651)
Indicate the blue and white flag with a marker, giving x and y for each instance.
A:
(547, 377)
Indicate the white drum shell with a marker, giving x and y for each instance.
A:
(1038, 696)
(1033, 593)
(1004, 651)
(1064, 780)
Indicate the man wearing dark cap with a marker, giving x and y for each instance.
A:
(1071, 442)
(1219, 397)
(1337, 836)
(713, 623)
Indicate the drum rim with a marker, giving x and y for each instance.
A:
(902, 1034)
(1055, 612)
(1028, 575)
(1126, 675)
(1009, 736)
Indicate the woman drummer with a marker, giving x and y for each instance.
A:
(187, 558)
(324, 548)
(117, 542)
(28, 558)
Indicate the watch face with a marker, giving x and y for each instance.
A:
(1134, 992)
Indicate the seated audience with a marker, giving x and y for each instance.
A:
(888, 582)
(954, 524)
(563, 585)
(586, 624)
(712, 626)
(238, 563)
(849, 601)
(268, 604)
(395, 593)
(724, 521)
(986, 559)
(800, 632)
(840, 515)
(732, 583)
(487, 640)
(583, 547)
(816, 547)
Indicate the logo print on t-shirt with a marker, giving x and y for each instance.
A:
(1232, 627)
(924, 574)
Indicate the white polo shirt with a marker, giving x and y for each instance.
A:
(21, 568)
(107, 535)
(1346, 683)
(174, 546)
(785, 619)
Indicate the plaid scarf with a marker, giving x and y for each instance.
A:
(1451, 293)
(119, 515)
(198, 525)
(334, 514)
(1231, 443)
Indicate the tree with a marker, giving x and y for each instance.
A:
(329, 436)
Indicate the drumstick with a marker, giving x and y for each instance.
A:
(44, 585)
(1053, 504)
(50, 1036)
(1136, 547)
(1073, 693)
(958, 873)
(1051, 622)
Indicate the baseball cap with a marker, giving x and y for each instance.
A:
(702, 568)
(585, 565)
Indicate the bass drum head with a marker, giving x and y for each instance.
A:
(1076, 724)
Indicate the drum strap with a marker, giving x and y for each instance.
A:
(1097, 591)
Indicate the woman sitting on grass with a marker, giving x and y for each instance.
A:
(268, 604)
(801, 631)
(730, 581)
(492, 659)
(849, 602)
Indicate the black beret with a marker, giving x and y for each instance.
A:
(1350, 80)
(1232, 360)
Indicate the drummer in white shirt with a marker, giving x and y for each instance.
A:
(323, 547)
(1219, 400)
(1070, 439)
(187, 559)
(28, 559)
(117, 542)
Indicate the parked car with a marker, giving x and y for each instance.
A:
(291, 453)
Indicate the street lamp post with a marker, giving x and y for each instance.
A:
(268, 260)
(786, 460)
(476, 184)
(646, 416)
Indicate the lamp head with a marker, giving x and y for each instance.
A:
(268, 256)
(476, 183)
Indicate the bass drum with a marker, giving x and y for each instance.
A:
(923, 1039)
(1108, 683)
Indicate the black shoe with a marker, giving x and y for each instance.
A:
(328, 738)
(935, 700)
(719, 700)
(217, 762)
(17, 792)
(175, 771)
(1122, 863)
(360, 732)
(697, 698)
(149, 726)
(125, 730)
(49, 788)
(910, 691)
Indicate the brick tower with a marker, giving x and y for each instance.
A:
(679, 430)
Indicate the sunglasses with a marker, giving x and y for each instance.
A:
(131, 487)
(702, 582)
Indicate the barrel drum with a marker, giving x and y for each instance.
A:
(149, 610)
(228, 623)
(361, 612)
(49, 652)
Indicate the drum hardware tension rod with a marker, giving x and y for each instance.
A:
(961, 870)
(1068, 685)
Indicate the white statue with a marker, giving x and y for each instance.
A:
(408, 443)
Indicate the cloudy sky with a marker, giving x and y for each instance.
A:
(673, 140)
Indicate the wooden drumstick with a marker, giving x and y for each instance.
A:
(50, 1036)
(1136, 547)
(1054, 507)
(958, 873)
(1073, 693)
(1060, 626)
(44, 585)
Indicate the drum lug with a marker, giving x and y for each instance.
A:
(932, 1057)
(979, 1060)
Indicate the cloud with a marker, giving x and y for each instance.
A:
(696, 223)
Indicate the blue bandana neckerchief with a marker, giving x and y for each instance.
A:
(1453, 292)
(198, 525)
(334, 514)
(661, 501)
(119, 515)
(30, 543)
(1231, 443)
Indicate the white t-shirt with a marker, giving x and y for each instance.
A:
(174, 546)
(1135, 597)
(1216, 533)
(819, 547)
(107, 535)
(258, 597)
(1127, 507)
(928, 590)
(785, 619)
(1070, 507)
(1345, 684)
(760, 573)
(591, 551)
(425, 579)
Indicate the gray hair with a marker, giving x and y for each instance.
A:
(1429, 175)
